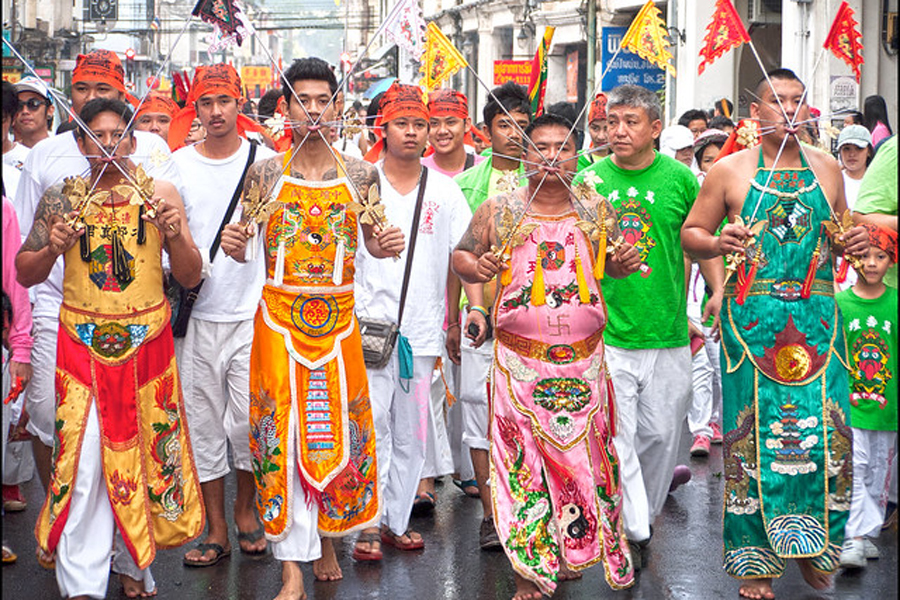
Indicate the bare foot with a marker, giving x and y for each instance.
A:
(757, 589)
(327, 567)
(818, 580)
(133, 588)
(565, 573)
(525, 589)
(291, 582)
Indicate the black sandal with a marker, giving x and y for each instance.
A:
(204, 548)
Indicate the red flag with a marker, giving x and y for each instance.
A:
(724, 32)
(538, 84)
(843, 39)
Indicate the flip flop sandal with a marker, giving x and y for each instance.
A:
(47, 561)
(423, 505)
(368, 538)
(9, 556)
(251, 537)
(463, 485)
(391, 539)
(203, 548)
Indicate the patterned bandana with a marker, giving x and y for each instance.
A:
(402, 101)
(214, 80)
(598, 108)
(158, 102)
(885, 239)
(448, 103)
(99, 66)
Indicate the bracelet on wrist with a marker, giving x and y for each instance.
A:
(452, 325)
(480, 309)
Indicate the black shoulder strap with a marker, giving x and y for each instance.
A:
(470, 161)
(412, 243)
(234, 200)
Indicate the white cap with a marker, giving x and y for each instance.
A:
(32, 84)
(675, 138)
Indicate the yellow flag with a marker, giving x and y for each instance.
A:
(647, 38)
(440, 59)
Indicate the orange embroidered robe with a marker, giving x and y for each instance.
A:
(115, 349)
(309, 395)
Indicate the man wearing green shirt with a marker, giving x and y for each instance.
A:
(506, 115)
(647, 333)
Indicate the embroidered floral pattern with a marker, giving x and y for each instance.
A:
(556, 296)
(121, 489)
(532, 532)
(562, 393)
(265, 446)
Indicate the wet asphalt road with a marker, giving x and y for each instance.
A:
(684, 560)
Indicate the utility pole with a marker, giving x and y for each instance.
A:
(591, 48)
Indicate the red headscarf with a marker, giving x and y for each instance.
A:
(400, 100)
(448, 103)
(158, 102)
(99, 66)
(598, 108)
(218, 79)
(885, 239)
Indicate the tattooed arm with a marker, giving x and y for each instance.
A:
(472, 260)
(235, 236)
(48, 239)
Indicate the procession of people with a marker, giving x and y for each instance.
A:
(343, 304)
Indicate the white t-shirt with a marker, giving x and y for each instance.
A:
(851, 189)
(444, 219)
(232, 291)
(13, 162)
(57, 157)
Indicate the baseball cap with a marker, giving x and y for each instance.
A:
(32, 84)
(856, 135)
(675, 138)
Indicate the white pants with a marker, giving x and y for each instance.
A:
(873, 455)
(438, 459)
(86, 543)
(459, 450)
(706, 384)
(301, 544)
(400, 413)
(475, 366)
(214, 364)
(18, 461)
(40, 397)
(653, 390)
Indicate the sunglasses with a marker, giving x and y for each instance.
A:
(33, 104)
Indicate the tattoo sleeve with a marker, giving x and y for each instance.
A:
(53, 203)
(477, 238)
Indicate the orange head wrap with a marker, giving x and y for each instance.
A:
(448, 103)
(400, 100)
(158, 102)
(884, 239)
(217, 79)
(598, 108)
(100, 66)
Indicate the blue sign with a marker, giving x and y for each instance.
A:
(627, 67)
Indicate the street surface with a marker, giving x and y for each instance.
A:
(685, 560)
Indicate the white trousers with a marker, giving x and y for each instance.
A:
(653, 390)
(459, 450)
(400, 413)
(873, 455)
(475, 366)
(87, 540)
(214, 365)
(301, 544)
(706, 386)
(40, 397)
(438, 459)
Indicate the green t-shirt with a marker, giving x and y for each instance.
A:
(648, 309)
(480, 182)
(871, 328)
(878, 191)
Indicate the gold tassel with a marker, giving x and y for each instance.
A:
(584, 293)
(600, 260)
(337, 273)
(538, 293)
(279, 264)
